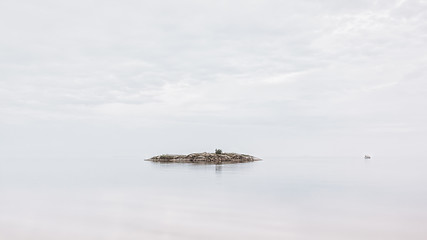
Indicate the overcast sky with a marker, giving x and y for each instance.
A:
(298, 77)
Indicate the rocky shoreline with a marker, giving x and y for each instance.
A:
(204, 158)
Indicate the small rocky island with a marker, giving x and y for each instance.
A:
(205, 158)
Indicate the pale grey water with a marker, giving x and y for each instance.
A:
(278, 198)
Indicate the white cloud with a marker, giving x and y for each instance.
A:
(325, 66)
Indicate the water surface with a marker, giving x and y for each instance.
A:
(278, 198)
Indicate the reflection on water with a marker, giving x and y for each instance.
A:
(218, 168)
(283, 198)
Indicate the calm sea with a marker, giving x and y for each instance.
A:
(277, 198)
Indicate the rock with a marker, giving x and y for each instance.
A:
(204, 158)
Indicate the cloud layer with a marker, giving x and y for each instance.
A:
(301, 68)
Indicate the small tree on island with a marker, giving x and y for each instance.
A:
(218, 151)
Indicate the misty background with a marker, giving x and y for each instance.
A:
(267, 78)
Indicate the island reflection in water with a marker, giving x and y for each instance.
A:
(278, 198)
(217, 168)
